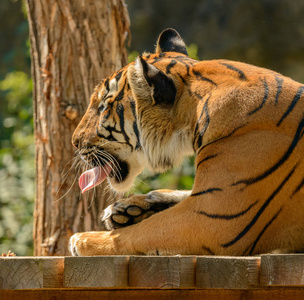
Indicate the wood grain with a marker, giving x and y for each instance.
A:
(53, 268)
(187, 271)
(227, 272)
(74, 45)
(288, 293)
(285, 269)
(31, 273)
(96, 271)
(161, 271)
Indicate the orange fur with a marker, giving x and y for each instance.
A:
(245, 124)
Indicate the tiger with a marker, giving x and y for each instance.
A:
(244, 124)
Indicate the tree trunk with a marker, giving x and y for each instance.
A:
(74, 44)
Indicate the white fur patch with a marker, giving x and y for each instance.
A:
(113, 85)
(175, 148)
(140, 88)
(72, 244)
(173, 196)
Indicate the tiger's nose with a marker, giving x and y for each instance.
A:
(80, 141)
(75, 141)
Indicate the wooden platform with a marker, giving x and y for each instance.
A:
(153, 277)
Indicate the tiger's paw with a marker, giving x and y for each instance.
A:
(93, 243)
(133, 210)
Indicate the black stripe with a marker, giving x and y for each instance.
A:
(170, 66)
(298, 187)
(224, 137)
(133, 108)
(201, 77)
(292, 104)
(110, 137)
(156, 59)
(186, 61)
(207, 191)
(279, 88)
(264, 229)
(106, 84)
(233, 68)
(227, 217)
(296, 139)
(259, 213)
(120, 94)
(118, 75)
(184, 58)
(106, 114)
(120, 112)
(135, 128)
(208, 250)
(107, 96)
(182, 78)
(264, 99)
(206, 124)
(138, 146)
(188, 69)
(245, 251)
(206, 158)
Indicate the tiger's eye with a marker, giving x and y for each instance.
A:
(101, 107)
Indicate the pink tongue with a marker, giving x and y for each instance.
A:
(93, 177)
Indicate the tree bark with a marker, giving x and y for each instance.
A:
(74, 44)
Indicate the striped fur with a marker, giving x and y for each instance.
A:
(245, 125)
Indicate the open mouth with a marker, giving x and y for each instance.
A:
(115, 169)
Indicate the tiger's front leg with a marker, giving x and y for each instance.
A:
(133, 210)
(164, 233)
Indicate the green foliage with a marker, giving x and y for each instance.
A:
(268, 33)
(17, 170)
(13, 37)
(132, 56)
(192, 50)
(180, 178)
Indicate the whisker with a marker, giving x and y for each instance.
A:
(76, 160)
(67, 173)
(86, 158)
(66, 191)
(115, 165)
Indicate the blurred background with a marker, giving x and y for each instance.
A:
(267, 33)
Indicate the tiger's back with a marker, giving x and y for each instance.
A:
(251, 156)
(245, 126)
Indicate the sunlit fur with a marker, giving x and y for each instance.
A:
(166, 136)
(244, 124)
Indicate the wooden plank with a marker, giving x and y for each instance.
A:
(227, 272)
(96, 271)
(53, 268)
(30, 272)
(284, 269)
(159, 294)
(161, 271)
(187, 271)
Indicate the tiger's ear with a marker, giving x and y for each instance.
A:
(170, 41)
(151, 84)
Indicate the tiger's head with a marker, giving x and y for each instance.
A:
(138, 117)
